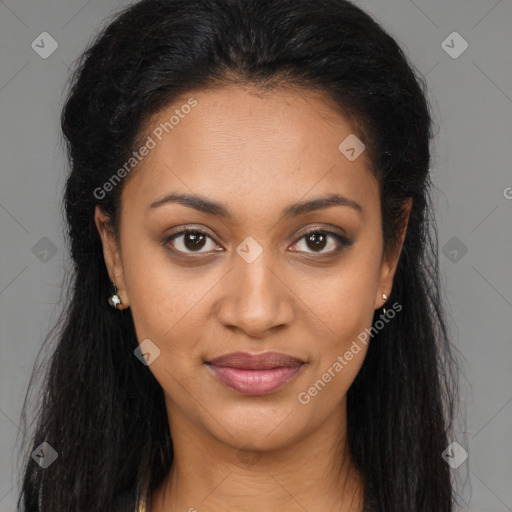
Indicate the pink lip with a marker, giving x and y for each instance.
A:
(255, 374)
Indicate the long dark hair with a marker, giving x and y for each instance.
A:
(103, 411)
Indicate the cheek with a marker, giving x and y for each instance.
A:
(345, 310)
(344, 300)
(344, 303)
(160, 294)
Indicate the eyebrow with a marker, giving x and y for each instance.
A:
(204, 205)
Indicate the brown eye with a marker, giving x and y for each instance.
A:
(320, 239)
(316, 241)
(191, 241)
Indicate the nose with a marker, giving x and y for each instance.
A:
(256, 298)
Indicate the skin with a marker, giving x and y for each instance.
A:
(255, 152)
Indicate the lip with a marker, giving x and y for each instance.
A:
(255, 374)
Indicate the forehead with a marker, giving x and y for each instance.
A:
(250, 149)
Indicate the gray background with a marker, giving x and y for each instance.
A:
(471, 97)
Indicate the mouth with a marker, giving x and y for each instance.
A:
(256, 374)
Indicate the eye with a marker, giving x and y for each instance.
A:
(319, 239)
(190, 240)
(193, 240)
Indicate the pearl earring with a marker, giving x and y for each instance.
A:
(385, 297)
(114, 299)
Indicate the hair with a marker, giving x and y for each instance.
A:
(103, 411)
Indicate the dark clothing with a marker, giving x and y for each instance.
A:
(125, 502)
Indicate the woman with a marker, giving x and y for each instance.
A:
(255, 321)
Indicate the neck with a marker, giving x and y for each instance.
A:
(314, 473)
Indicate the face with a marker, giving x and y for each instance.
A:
(267, 268)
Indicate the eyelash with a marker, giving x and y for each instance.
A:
(342, 241)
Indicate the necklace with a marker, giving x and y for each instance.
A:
(142, 507)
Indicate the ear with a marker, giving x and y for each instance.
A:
(390, 261)
(112, 254)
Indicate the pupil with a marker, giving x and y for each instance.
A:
(319, 237)
(196, 239)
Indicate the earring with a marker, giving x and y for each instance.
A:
(114, 299)
(385, 297)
